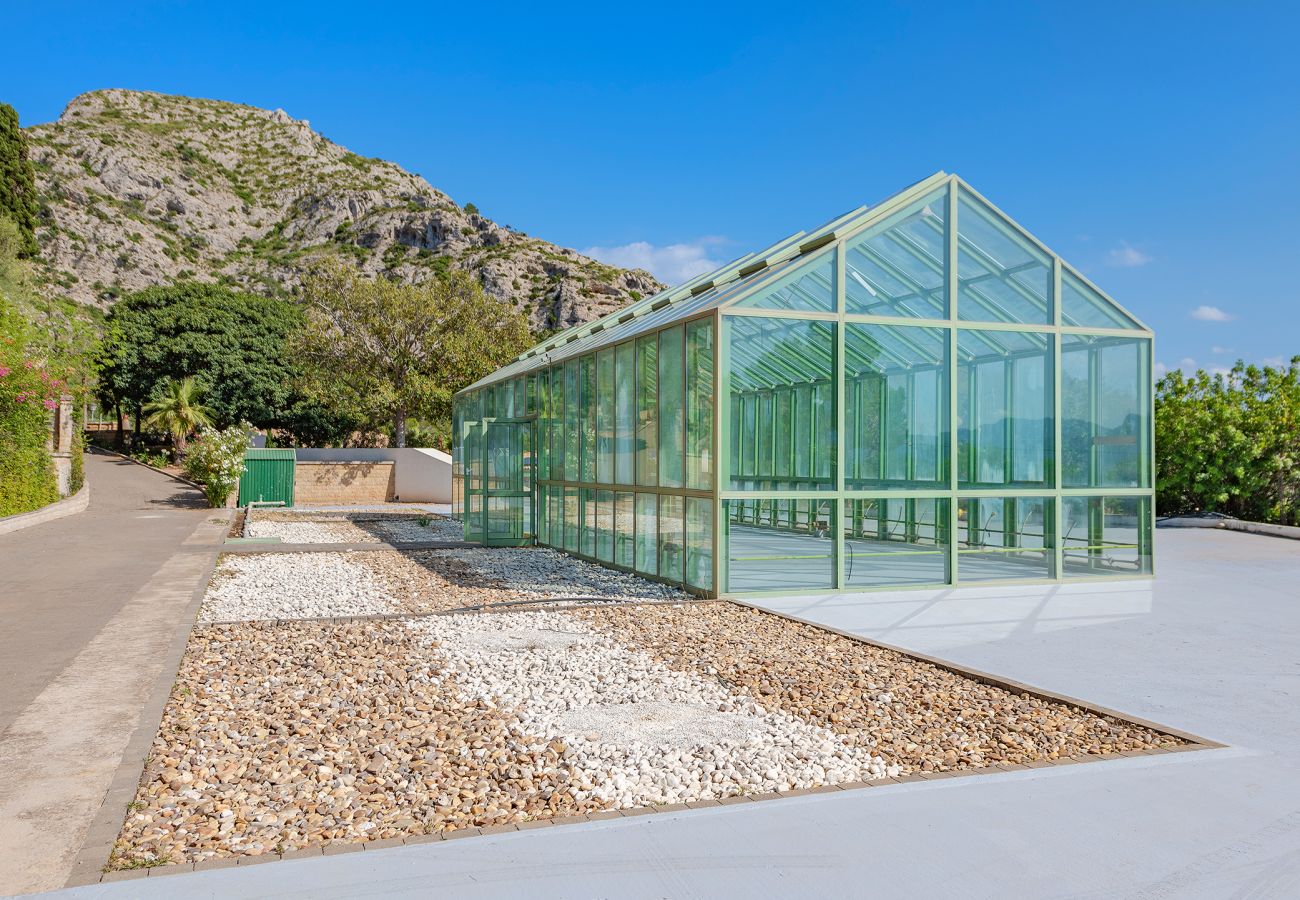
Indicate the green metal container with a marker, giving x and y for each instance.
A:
(268, 477)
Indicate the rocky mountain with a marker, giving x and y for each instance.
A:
(141, 188)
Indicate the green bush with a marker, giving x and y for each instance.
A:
(1230, 443)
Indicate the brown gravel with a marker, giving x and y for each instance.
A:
(279, 737)
(431, 582)
(914, 714)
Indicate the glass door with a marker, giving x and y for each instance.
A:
(506, 467)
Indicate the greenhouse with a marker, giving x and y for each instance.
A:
(916, 394)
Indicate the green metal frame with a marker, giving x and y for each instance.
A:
(788, 387)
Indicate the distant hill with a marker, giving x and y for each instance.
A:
(141, 188)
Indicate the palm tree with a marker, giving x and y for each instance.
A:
(178, 411)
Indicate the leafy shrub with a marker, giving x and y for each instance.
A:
(1230, 443)
(216, 461)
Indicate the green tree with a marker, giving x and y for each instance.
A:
(389, 352)
(234, 345)
(17, 181)
(1230, 443)
(178, 410)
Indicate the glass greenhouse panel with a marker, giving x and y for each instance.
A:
(587, 418)
(896, 410)
(624, 529)
(647, 534)
(1083, 307)
(699, 542)
(1105, 411)
(776, 545)
(782, 400)
(605, 418)
(1005, 404)
(647, 411)
(810, 287)
(672, 538)
(625, 413)
(572, 422)
(572, 519)
(672, 407)
(1001, 538)
(1002, 276)
(699, 405)
(605, 526)
(1105, 536)
(896, 268)
(895, 542)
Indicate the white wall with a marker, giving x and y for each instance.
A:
(421, 475)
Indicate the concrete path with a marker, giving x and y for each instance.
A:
(1212, 646)
(90, 604)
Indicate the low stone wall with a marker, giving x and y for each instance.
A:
(423, 474)
(343, 482)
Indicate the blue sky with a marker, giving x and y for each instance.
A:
(1154, 145)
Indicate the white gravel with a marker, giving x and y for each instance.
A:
(293, 586)
(641, 733)
(318, 528)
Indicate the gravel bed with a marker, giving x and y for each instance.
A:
(354, 528)
(279, 737)
(294, 586)
(545, 573)
(640, 732)
(915, 715)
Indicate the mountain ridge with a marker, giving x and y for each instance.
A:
(139, 188)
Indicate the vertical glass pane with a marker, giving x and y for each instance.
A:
(572, 422)
(1004, 409)
(699, 405)
(1106, 411)
(806, 287)
(624, 529)
(672, 542)
(605, 416)
(543, 409)
(605, 526)
(699, 542)
(896, 406)
(625, 414)
(572, 518)
(892, 542)
(1002, 276)
(672, 407)
(647, 410)
(775, 545)
(1004, 538)
(647, 534)
(895, 268)
(587, 421)
(557, 424)
(1106, 536)
(770, 355)
(587, 537)
(1084, 307)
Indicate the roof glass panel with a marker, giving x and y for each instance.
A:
(895, 268)
(1086, 308)
(809, 288)
(1002, 276)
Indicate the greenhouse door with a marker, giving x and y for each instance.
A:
(506, 472)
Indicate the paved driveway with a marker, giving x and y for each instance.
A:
(89, 603)
(1212, 646)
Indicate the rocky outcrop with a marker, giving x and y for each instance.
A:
(141, 189)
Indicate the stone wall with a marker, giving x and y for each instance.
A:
(343, 482)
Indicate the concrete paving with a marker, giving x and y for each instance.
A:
(89, 604)
(1211, 646)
